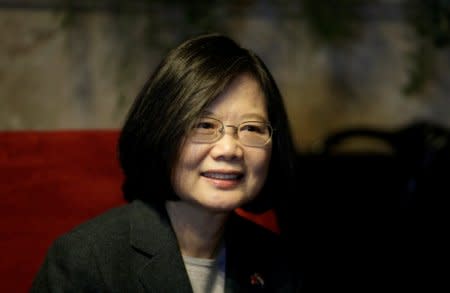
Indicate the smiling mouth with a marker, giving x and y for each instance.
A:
(223, 176)
(224, 180)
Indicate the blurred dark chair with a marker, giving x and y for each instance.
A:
(417, 165)
(368, 219)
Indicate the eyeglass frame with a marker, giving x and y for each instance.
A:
(221, 131)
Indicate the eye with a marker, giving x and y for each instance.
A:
(254, 127)
(205, 125)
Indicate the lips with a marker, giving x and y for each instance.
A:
(224, 179)
(223, 175)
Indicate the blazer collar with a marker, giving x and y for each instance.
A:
(150, 228)
(161, 265)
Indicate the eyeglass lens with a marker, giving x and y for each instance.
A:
(250, 133)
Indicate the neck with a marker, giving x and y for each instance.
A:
(199, 232)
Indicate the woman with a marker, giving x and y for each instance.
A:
(207, 134)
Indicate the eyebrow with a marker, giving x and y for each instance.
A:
(251, 116)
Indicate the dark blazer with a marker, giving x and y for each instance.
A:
(134, 249)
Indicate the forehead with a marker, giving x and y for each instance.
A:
(243, 98)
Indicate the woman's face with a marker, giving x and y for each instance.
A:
(225, 174)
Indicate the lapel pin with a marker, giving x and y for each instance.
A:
(257, 280)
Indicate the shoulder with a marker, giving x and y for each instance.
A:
(253, 240)
(79, 242)
(96, 253)
(108, 230)
(257, 249)
(113, 221)
(242, 228)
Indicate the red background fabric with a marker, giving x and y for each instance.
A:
(51, 181)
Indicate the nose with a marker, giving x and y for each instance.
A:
(228, 146)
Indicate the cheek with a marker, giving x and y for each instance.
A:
(261, 163)
(267, 163)
(191, 156)
(188, 162)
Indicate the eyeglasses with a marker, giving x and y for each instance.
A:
(249, 133)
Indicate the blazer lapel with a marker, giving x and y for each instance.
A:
(160, 267)
(165, 273)
(245, 265)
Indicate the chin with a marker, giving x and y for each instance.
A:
(225, 206)
(222, 207)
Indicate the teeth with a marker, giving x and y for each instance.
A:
(222, 176)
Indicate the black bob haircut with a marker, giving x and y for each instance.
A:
(186, 81)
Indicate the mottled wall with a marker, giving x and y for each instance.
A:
(86, 74)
